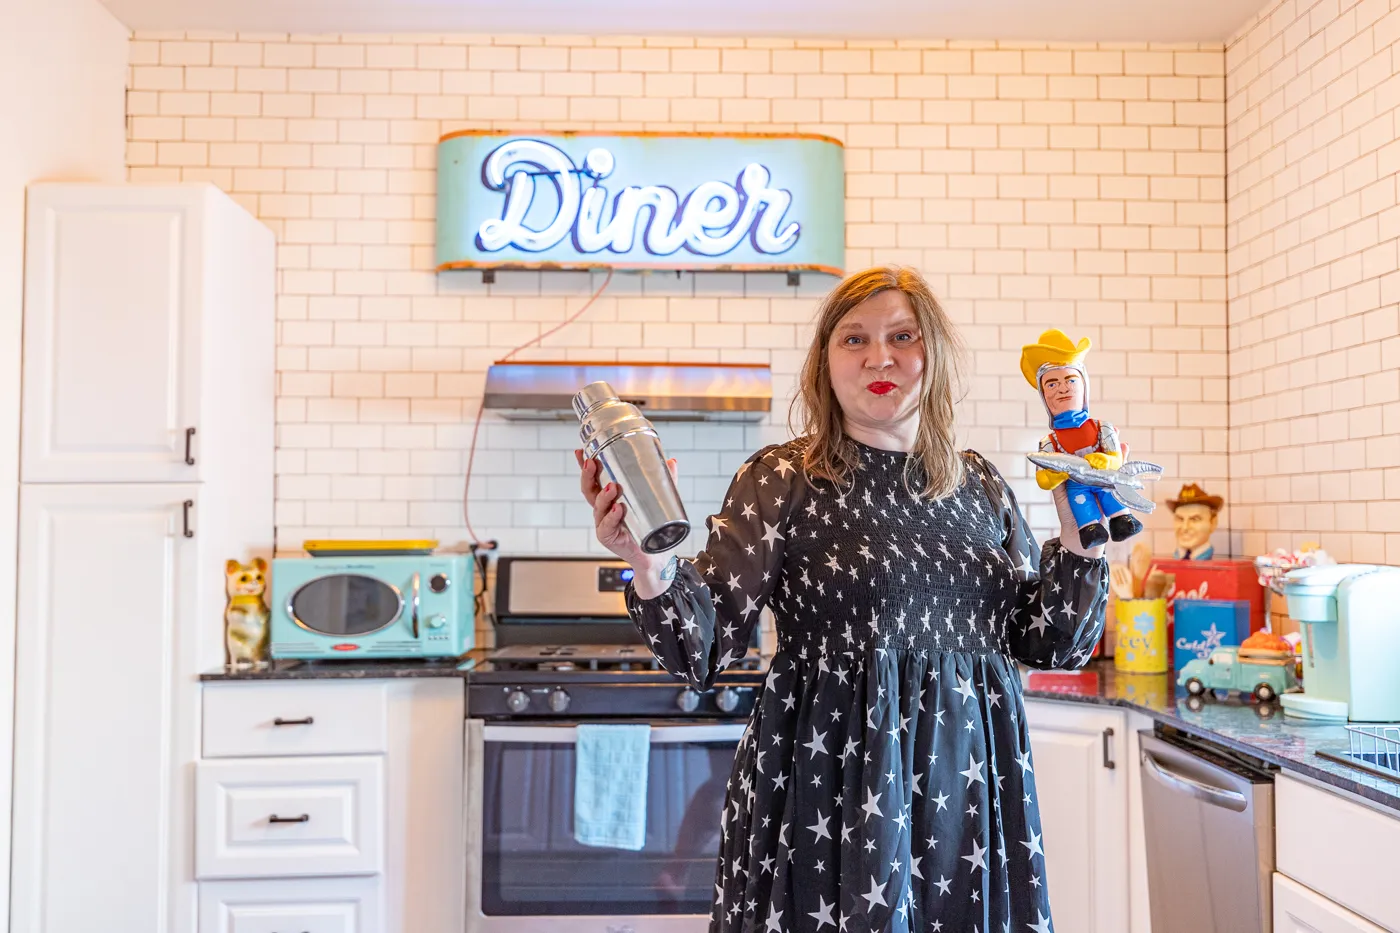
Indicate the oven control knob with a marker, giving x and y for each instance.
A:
(518, 701)
(559, 701)
(727, 700)
(439, 583)
(688, 701)
(437, 621)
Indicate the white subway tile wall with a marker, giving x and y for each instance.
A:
(1314, 329)
(1073, 186)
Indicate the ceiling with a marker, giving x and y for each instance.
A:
(1031, 20)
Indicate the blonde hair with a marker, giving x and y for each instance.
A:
(831, 453)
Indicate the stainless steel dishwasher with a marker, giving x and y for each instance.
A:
(1208, 816)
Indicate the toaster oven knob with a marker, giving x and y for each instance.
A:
(688, 701)
(437, 621)
(558, 701)
(517, 701)
(439, 583)
(727, 700)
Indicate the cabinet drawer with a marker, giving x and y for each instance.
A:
(316, 905)
(255, 720)
(1300, 910)
(1343, 850)
(273, 817)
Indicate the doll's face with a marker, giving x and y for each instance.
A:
(1194, 524)
(1063, 390)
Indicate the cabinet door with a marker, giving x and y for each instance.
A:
(104, 727)
(1302, 910)
(1081, 781)
(111, 334)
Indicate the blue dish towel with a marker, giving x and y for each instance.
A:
(610, 785)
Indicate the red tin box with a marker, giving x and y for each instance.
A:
(1214, 579)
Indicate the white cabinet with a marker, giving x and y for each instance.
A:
(1300, 910)
(381, 816)
(1339, 847)
(106, 591)
(1080, 756)
(324, 718)
(271, 817)
(147, 310)
(147, 323)
(321, 905)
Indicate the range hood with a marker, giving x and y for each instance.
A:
(541, 391)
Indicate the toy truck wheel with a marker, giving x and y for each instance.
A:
(1264, 693)
(1195, 687)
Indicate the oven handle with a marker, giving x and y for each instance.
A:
(660, 735)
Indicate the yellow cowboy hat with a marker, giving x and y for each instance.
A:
(1053, 347)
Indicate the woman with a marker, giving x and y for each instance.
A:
(885, 781)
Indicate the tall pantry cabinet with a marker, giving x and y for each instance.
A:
(146, 463)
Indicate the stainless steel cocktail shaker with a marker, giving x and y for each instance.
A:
(629, 449)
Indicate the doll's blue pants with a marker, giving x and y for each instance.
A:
(1089, 504)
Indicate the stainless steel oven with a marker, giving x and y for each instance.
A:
(527, 874)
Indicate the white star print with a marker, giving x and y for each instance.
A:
(876, 895)
(1042, 924)
(774, 916)
(819, 827)
(973, 771)
(823, 913)
(871, 806)
(976, 857)
(1032, 845)
(964, 688)
(818, 743)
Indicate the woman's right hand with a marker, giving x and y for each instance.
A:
(609, 512)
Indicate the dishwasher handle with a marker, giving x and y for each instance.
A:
(1215, 796)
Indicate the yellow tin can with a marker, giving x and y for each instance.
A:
(1140, 636)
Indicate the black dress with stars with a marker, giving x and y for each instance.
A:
(885, 781)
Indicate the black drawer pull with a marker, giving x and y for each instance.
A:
(1108, 761)
(304, 818)
(189, 440)
(185, 517)
(279, 721)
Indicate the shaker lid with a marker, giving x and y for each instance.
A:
(591, 395)
(605, 418)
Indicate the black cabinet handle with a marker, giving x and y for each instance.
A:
(1108, 761)
(189, 442)
(304, 818)
(185, 508)
(279, 721)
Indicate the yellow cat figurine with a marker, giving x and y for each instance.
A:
(246, 616)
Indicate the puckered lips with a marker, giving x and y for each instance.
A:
(881, 388)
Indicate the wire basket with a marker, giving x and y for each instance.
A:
(1376, 748)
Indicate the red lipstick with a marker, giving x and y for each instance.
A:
(881, 388)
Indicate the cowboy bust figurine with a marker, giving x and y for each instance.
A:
(1055, 367)
(1194, 515)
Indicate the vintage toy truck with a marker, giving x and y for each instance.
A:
(1266, 674)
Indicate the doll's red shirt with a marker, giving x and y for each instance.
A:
(1072, 440)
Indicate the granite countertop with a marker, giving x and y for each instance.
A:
(1261, 730)
(343, 670)
(1253, 728)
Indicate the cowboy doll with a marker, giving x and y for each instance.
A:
(1055, 367)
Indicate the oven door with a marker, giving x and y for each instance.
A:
(527, 874)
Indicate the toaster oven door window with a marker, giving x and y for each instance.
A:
(346, 605)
